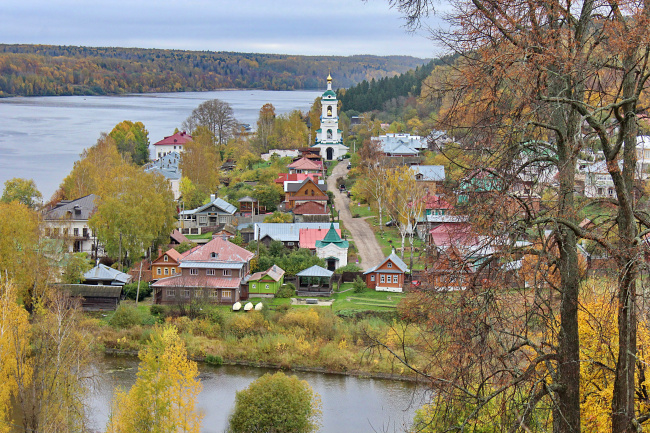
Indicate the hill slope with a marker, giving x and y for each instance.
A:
(31, 70)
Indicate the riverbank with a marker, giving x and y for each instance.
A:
(288, 338)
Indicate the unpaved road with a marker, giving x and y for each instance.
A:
(362, 235)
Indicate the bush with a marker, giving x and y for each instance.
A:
(286, 291)
(214, 360)
(158, 310)
(130, 290)
(128, 315)
(359, 285)
(350, 267)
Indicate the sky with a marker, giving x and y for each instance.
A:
(308, 27)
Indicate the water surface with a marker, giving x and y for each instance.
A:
(42, 137)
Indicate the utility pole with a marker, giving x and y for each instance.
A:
(120, 254)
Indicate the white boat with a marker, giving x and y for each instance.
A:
(248, 306)
(236, 306)
(259, 306)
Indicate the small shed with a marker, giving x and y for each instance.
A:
(104, 275)
(94, 297)
(314, 281)
(266, 283)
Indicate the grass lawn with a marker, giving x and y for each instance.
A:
(331, 167)
(207, 235)
(370, 300)
(362, 210)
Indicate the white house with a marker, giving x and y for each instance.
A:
(333, 249)
(167, 166)
(68, 220)
(173, 143)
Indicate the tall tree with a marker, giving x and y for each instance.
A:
(200, 163)
(163, 398)
(265, 126)
(132, 141)
(217, 116)
(23, 191)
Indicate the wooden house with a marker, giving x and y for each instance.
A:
(297, 193)
(266, 283)
(94, 297)
(387, 276)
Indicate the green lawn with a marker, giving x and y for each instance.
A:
(207, 235)
(369, 300)
(331, 167)
(362, 210)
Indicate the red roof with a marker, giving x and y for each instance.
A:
(452, 233)
(225, 252)
(178, 236)
(305, 164)
(310, 208)
(436, 202)
(199, 281)
(296, 177)
(174, 255)
(178, 138)
(308, 237)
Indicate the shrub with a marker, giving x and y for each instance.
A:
(359, 285)
(158, 310)
(130, 290)
(126, 316)
(214, 360)
(350, 267)
(286, 291)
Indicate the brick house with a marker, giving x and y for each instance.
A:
(211, 273)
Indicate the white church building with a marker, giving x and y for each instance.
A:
(329, 138)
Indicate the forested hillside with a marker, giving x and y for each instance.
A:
(31, 70)
(371, 94)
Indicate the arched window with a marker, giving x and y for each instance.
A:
(329, 111)
(329, 134)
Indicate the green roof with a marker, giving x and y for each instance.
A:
(329, 93)
(332, 238)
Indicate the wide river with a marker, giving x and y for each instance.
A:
(42, 137)
(349, 404)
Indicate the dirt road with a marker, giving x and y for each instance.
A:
(362, 235)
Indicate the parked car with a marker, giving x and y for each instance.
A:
(349, 166)
(416, 283)
(342, 188)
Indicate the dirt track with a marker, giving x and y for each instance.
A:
(362, 235)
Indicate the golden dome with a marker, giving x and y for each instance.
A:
(329, 78)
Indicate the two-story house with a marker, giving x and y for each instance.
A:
(297, 193)
(172, 143)
(387, 276)
(217, 211)
(68, 220)
(210, 273)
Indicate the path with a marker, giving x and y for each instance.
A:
(362, 235)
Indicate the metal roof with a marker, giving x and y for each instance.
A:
(105, 273)
(393, 258)
(217, 202)
(212, 265)
(79, 209)
(315, 271)
(286, 232)
(430, 172)
(92, 291)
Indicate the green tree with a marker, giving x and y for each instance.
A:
(76, 266)
(132, 141)
(23, 191)
(269, 195)
(163, 398)
(276, 404)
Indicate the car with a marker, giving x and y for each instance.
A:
(349, 166)
(340, 158)
(342, 188)
(416, 283)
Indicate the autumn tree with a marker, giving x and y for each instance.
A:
(265, 126)
(276, 403)
(134, 210)
(200, 163)
(215, 115)
(163, 398)
(23, 191)
(132, 141)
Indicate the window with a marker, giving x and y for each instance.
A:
(158, 271)
(213, 255)
(85, 232)
(329, 134)
(198, 293)
(254, 285)
(76, 232)
(329, 110)
(209, 272)
(372, 277)
(214, 293)
(226, 294)
(173, 271)
(267, 286)
(171, 293)
(194, 272)
(166, 271)
(395, 279)
(186, 293)
(381, 278)
(290, 244)
(203, 219)
(389, 265)
(165, 258)
(226, 272)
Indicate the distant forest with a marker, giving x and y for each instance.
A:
(371, 94)
(40, 70)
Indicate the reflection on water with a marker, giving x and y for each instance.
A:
(42, 137)
(350, 404)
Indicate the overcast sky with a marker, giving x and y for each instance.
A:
(334, 27)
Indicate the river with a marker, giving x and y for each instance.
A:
(42, 137)
(350, 404)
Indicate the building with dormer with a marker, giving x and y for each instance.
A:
(172, 143)
(68, 220)
(329, 138)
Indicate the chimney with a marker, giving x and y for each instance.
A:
(212, 197)
(159, 251)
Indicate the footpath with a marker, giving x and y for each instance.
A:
(361, 233)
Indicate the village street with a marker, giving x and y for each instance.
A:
(362, 235)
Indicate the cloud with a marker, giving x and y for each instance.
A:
(336, 27)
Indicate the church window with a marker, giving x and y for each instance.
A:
(329, 134)
(329, 110)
